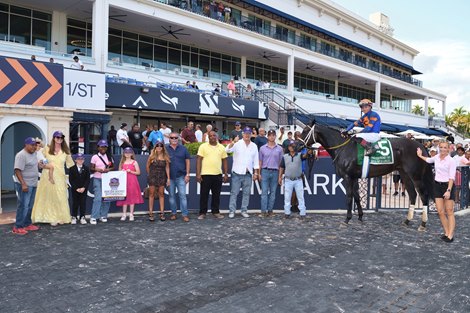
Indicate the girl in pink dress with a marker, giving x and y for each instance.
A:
(133, 195)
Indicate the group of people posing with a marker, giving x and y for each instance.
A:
(168, 166)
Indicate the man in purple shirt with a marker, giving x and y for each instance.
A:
(270, 156)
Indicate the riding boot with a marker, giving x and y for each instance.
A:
(368, 147)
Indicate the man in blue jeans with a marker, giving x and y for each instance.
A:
(270, 156)
(26, 173)
(245, 169)
(291, 166)
(179, 175)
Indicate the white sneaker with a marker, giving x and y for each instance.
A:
(231, 215)
(123, 217)
(74, 221)
(83, 220)
(103, 220)
(244, 214)
(131, 218)
(93, 221)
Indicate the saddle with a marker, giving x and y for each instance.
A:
(383, 155)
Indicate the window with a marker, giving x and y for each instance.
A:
(79, 37)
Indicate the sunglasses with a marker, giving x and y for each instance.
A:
(159, 146)
(59, 137)
(173, 137)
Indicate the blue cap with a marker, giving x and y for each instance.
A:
(291, 142)
(247, 130)
(237, 123)
(128, 149)
(58, 133)
(159, 142)
(30, 141)
(79, 156)
(102, 143)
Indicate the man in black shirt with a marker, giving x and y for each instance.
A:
(112, 139)
(135, 137)
(237, 132)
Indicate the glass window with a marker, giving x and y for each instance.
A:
(174, 59)
(204, 65)
(215, 68)
(42, 16)
(20, 11)
(3, 7)
(20, 29)
(145, 39)
(129, 51)
(130, 35)
(145, 54)
(250, 72)
(194, 59)
(185, 58)
(3, 26)
(114, 48)
(116, 32)
(160, 57)
(72, 22)
(42, 34)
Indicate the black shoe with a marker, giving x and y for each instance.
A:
(395, 193)
(447, 239)
(403, 194)
(443, 237)
(295, 209)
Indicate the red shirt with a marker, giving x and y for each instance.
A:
(188, 135)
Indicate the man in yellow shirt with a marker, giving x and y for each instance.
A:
(210, 158)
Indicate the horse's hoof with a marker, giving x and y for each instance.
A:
(422, 228)
(406, 222)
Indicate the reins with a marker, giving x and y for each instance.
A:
(311, 133)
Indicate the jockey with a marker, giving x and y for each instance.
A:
(370, 120)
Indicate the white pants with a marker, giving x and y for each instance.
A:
(369, 137)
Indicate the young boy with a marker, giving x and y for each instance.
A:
(79, 178)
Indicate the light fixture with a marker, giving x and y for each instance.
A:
(144, 89)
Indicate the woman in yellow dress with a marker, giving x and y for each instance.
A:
(51, 204)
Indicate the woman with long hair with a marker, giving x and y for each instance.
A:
(134, 196)
(444, 188)
(158, 170)
(51, 204)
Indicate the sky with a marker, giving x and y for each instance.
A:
(440, 31)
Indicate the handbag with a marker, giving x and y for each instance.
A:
(147, 193)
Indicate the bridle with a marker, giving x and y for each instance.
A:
(311, 134)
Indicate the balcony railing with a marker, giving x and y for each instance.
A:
(281, 34)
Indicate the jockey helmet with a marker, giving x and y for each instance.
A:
(365, 102)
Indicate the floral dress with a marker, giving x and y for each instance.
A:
(157, 173)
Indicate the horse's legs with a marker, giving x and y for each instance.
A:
(349, 184)
(409, 186)
(357, 199)
(423, 194)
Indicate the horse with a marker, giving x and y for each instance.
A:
(415, 173)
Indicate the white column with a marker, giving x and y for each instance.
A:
(59, 32)
(443, 108)
(426, 104)
(100, 33)
(336, 88)
(377, 96)
(243, 67)
(290, 75)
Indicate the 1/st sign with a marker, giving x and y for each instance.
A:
(84, 90)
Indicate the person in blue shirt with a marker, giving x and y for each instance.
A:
(371, 122)
(154, 136)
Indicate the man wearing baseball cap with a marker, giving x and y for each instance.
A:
(237, 132)
(270, 156)
(291, 167)
(245, 168)
(371, 122)
(26, 174)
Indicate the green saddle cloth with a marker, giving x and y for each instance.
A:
(382, 156)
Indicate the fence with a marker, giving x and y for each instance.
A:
(387, 192)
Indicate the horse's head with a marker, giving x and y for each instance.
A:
(308, 135)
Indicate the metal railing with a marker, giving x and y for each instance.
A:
(284, 34)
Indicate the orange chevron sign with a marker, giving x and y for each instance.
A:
(29, 82)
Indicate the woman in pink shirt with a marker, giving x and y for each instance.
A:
(444, 193)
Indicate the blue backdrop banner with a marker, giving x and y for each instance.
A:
(323, 191)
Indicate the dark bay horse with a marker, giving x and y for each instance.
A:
(415, 173)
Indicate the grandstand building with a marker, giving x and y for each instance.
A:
(302, 57)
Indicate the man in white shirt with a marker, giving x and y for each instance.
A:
(77, 64)
(245, 169)
(165, 132)
(281, 136)
(198, 133)
(122, 138)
